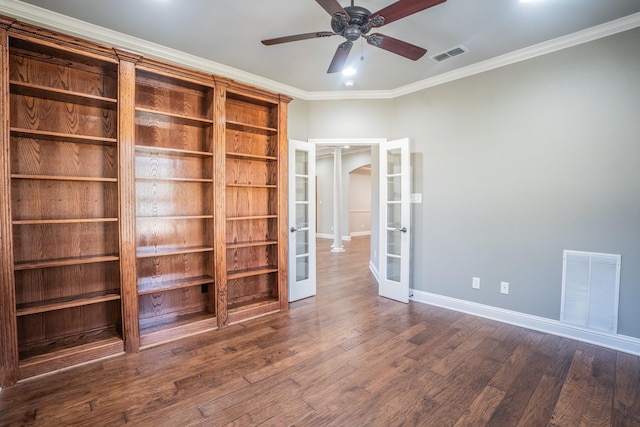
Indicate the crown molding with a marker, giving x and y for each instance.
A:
(65, 24)
(75, 27)
(574, 39)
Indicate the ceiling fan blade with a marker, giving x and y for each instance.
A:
(333, 7)
(396, 46)
(403, 8)
(297, 37)
(340, 57)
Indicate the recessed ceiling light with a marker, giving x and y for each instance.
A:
(349, 83)
(349, 71)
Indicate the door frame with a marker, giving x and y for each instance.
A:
(374, 260)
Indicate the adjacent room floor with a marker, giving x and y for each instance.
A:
(346, 357)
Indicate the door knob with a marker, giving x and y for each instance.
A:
(294, 229)
(403, 229)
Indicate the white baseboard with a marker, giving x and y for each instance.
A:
(360, 233)
(330, 236)
(615, 342)
(374, 271)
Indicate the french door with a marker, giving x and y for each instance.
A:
(302, 217)
(395, 232)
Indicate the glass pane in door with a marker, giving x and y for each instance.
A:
(302, 215)
(302, 242)
(393, 269)
(393, 242)
(394, 188)
(302, 189)
(302, 268)
(302, 163)
(394, 211)
(394, 161)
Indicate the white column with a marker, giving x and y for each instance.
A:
(337, 201)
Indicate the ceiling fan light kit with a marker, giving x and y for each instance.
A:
(353, 22)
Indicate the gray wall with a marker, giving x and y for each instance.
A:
(297, 119)
(515, 165)
(349, 119)
(324, 172)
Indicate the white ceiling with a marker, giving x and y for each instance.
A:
(224, 36)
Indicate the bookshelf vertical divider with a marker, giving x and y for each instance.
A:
(127, 152)
(283, 221)
(219, 159)
(8, 327)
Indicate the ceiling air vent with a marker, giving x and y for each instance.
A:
(456, 51)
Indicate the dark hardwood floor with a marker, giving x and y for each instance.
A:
(345, 358)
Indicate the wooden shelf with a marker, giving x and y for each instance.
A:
(39, 91)
(249, 272)
(149, 253)
(251, 244)
(173, 179)
(174, 118)
(64, 178)
(252, 185)
(50, 355)
(176, 327)
(247, 156)
(150, 288)
(62, 221)
(61, 262)
(168, 218)
(64, 137)
(248, 304)
(246, 127)
(67, 302)
(248, 218)
(172, 151)
(244, 310)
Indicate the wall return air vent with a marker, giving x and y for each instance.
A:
(451, 53)
(590, 290)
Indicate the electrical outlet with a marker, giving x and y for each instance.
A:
(475, 283)
(504, 288)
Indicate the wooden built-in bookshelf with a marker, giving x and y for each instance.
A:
(254, 162)
(63, 165)
(140, 202)
(174, 205)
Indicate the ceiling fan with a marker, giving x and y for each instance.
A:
(353, 22)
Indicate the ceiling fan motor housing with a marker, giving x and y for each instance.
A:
(356, 26)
